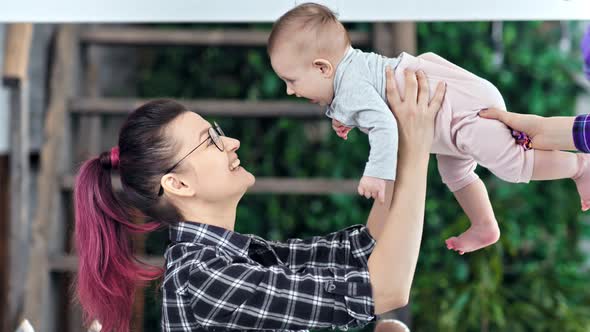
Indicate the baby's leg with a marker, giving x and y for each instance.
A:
(553, 165)
(458, 174)
(489, 142)
(484, 229)
(582, 179)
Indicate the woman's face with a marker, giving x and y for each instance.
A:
(206, 173)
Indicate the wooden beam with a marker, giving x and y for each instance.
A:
(317, 186)
(142, 36)
(390, 39)
(17, 51)
(304, 186)
(206, 107)
(69, 263)
(86, 144)
(15, 75)
(71, 318)
(90, 127)
(4, 238)
(139, 301)
(20, 179)
(52, 155)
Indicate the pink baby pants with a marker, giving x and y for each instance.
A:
(462, 139)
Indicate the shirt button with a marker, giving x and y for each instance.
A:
(331, 287)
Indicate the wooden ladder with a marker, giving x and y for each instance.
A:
(47, 289)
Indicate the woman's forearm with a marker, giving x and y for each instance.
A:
(556, 134)
(378, 215)
(393, 261)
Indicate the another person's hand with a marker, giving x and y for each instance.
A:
(554, 133)
(415, 111)
(340, 129)
(372, 187)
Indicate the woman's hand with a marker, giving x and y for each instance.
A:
(554, 133)
(415, 112)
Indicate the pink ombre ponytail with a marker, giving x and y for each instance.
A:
(108, 272)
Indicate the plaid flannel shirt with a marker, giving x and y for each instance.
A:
(220, 280)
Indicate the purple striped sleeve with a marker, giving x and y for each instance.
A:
(585, 46)
(581, 132)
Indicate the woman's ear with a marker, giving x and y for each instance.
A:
(172, 184)
(324, 66)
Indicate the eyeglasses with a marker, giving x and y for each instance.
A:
(215, 134)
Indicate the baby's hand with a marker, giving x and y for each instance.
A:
(372, 187)
(340, 129)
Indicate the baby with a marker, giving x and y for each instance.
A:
(310, 50)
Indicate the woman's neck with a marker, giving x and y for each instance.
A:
(221, 215)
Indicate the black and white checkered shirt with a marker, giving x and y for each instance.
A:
(220, 280)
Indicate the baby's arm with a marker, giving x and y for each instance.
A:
(340, 129)
(359, 104)
(381, 128)
(382, 164)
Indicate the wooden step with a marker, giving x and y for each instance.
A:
(69, 263)
(275, 185)
(205, 107)
(147, 36)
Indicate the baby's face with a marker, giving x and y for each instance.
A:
(302, 77)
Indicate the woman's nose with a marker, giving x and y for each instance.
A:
(231, 144)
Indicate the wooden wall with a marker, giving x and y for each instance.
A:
(4, 213)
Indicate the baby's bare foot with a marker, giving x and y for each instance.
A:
(476, 237)
(582, 180)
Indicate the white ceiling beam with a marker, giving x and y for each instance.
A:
(269, 10)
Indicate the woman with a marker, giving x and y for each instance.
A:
(177, 169)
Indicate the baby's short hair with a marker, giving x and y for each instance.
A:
(310, 18)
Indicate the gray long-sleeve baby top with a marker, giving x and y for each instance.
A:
(360, 101)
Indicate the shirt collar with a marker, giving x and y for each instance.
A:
(341, 67)
(210, 235)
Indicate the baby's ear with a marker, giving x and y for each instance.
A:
(324, 66)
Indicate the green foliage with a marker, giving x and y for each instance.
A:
(532, 280)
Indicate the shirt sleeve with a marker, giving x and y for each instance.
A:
(243, 295)
(359, 104)
(350, 247)
(581, 132)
